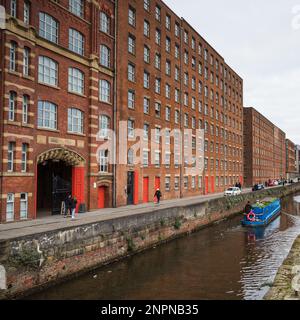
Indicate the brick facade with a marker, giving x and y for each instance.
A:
(41, 140)
(211, 97)
(264, 150)
(291, 160)
(204, 91)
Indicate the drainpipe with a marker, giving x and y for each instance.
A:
(115, 109)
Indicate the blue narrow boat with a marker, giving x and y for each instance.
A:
(263, 212)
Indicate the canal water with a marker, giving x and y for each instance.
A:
(225, 261)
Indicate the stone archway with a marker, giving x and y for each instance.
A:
(60, 172)
(68, 156)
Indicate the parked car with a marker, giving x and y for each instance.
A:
(258, 187)
(234, 191)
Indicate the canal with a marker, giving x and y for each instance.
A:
(225, 261)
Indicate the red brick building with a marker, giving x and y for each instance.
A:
(54, 89)
(264, 149)
(74, 69)
(170, 78)
(291, 160)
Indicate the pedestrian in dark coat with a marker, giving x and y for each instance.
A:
(68, 204)
(158, 195)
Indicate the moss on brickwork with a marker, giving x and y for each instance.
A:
(26, 257)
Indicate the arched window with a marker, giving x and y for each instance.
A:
(104, 91)
(48, 27)
(104, 56)
(76, 81)
(12, 105)
(104, 22)
(48, 71)
(75, 120)
(25, 108)
(12, 56)
(47, 115)
(76, 7)
(103, 126)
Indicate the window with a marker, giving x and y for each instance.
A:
(12, 105)
(168, 22)
(177, 71)
(47, 115)
(130, 157)
(13, 8)
(186, 182)
(146, 80)
(10, 204)
(131, 16)
(104, 91)
(146, 132)
(104, 23)
(168, 44)
(168, 91)
(146, 28)
(157, 85)
(104, 56)
(24, 206)
(48, 27)
(146, 54)
(157, 109)
(103, 126)
(25, 109)
(26, 12)
(157, 37)
(157, 13)
(146, 105)
(103, 161)
(157, 158)
(176, 183)
(131, 72)
(76, 81)
(76, 42)
(12, 56)
(167, 183)
(157, 61)
(131, 44)
(177, 30)
(48, 70)
(177, 51)
(131, 99)
(186, 120)
(10, 156)
(168, 113)
(177, 116)
(145, 158)
(76, 7)
(177, 95)
(147, 5)
(26, 54)
(75, 120)
(130, 127)
(186, 37)
(24, 157)
(168, 68)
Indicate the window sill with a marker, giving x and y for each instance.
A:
(76, 134)
(77, 94)
(49, 85)
(48, 129)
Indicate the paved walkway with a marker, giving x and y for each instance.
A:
(23, 228)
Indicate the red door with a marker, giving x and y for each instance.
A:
(78, 185)
(212, 181)
(146, 190)
(101, 197)
(157, 183)
(206, 185)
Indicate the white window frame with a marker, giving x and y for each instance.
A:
(47, 113)
(24, 157)
(48, 71)
(104, 91)
(75, 81)
(25, 107)
(77, 7)
(75, 120)
(10, 207)
(48, 27)
(24, 206)
(76, 41)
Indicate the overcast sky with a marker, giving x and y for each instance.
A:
(260, 40)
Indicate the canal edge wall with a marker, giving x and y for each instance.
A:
(36, 261)
(282, 287)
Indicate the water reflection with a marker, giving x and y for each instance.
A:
(225, 261)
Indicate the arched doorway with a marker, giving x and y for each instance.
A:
(59, 173)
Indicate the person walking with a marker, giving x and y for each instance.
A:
(248, 208)
(158, 195)
(73, 206)
(67, 212)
